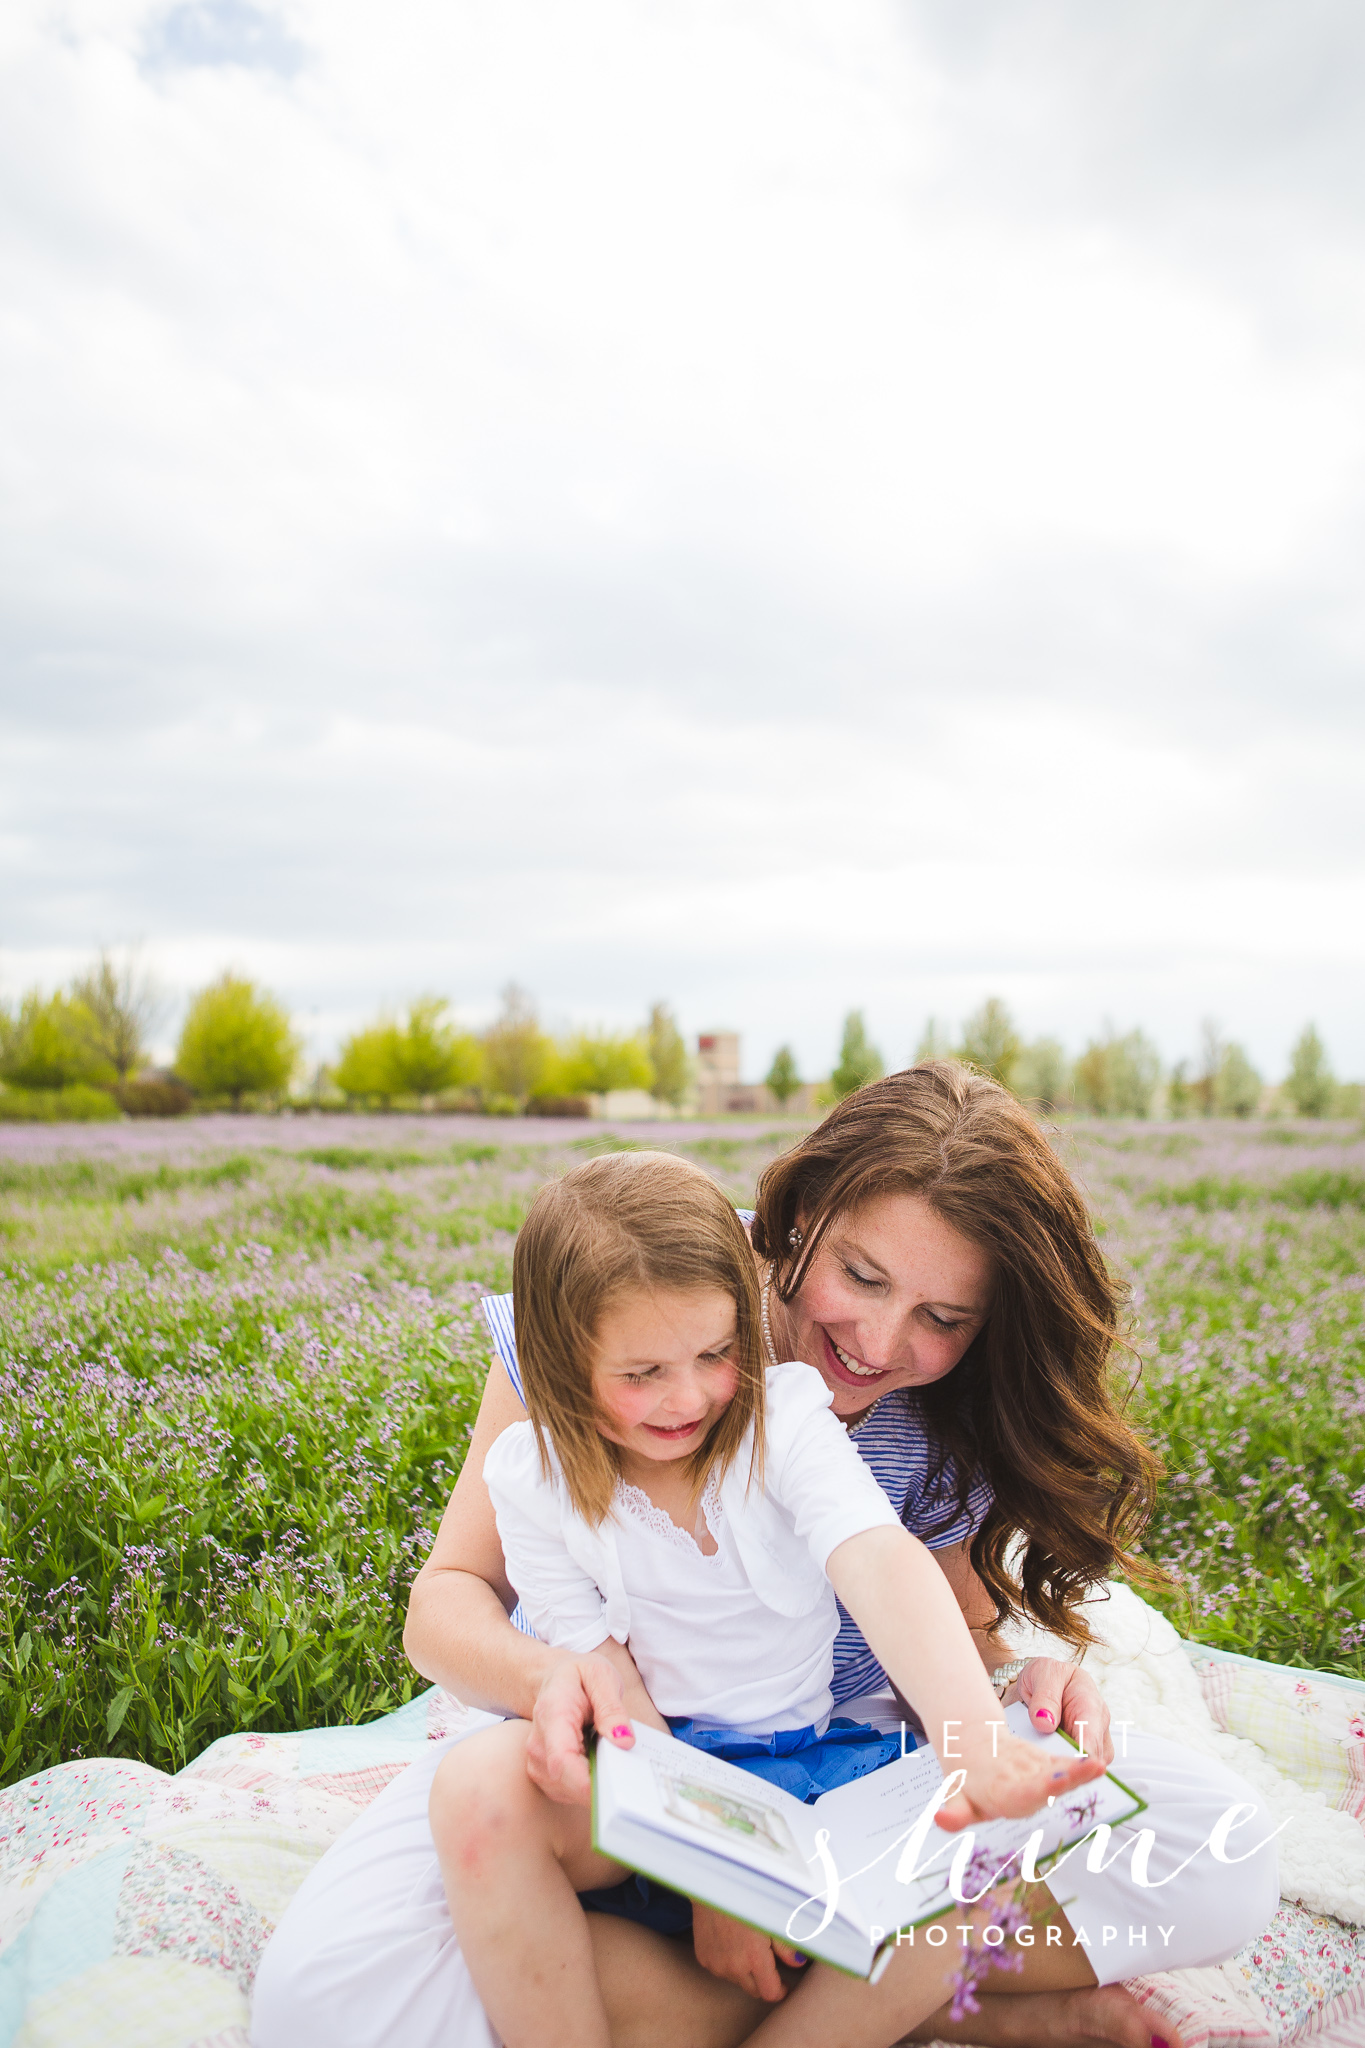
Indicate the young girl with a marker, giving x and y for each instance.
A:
(668, 1494)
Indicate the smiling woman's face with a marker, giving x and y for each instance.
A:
(893, 1297)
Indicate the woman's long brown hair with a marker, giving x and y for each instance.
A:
(1033, 1407)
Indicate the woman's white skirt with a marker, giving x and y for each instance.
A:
(365, 1956)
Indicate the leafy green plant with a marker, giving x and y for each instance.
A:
(152, 1096)
(50, 1044)
(668, 1057)
(77, 1104)
(1237, 1088)
(1311, 1086)
(122, 1004)
(519, 1058)
(990, 1042)
(1118, 1076)
(236, 1040)
(782, 1078)
(1043, 1074)
(598, 1063)
(859, 1060)
(367, 1065)
(361, 1158)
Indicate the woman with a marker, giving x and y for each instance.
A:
(926, 1253)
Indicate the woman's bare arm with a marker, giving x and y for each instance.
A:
(977, 1606)
(1057, 1694)
(458, 1633)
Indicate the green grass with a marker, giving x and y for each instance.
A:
(236, 1388)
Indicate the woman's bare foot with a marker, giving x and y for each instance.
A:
(1053, 2019)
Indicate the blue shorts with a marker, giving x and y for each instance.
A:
(800, 1761)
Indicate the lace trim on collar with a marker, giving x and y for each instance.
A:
(638, 1505)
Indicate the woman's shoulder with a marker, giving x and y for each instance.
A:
(502, 1328)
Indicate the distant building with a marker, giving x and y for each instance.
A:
(720, 1092)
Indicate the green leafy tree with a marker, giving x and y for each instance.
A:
(236, 1040)
(935, 1042)
(368, 1064)
(598, 1063)
(859, 1060)
(1238, 1086)
(1204, 1086)
(1180, 1098)
(123, 1003)
(1118, 1075)
(519, 1059)
(49, 1043)
(782, 1078)
(431, 1053)
(1043, 1074)
(990, 1042)
(667, 1056)
(1311, 1086)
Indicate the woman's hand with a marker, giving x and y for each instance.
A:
(740, 1954)
(1063, 1697)
(579, 1693)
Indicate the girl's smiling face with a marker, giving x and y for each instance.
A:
(663, 1373)
(893, 1297)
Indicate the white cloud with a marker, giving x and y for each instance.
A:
(778, 506)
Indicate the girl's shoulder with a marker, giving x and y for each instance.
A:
(795, 1388)
(797, 1404)
(513, 1459)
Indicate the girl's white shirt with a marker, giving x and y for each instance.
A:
(742, 1639)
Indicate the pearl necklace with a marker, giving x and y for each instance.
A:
(764, 1324)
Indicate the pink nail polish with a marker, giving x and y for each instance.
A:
(622, 1729)
(1045, 1714)
(1157, 2042)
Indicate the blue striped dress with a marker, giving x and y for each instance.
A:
(892, 1439)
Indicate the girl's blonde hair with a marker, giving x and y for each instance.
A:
(626, 1223)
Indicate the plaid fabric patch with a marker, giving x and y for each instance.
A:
(1313, 1730)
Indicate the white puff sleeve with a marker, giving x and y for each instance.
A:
(813, 1470)
(562, 1600)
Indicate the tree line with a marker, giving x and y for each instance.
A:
(514, 1064)
(1118, 1073)
(83, 1052)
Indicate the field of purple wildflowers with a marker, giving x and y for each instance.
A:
(239, 1361)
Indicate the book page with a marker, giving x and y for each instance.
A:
(705, 1802)
(870, 1820)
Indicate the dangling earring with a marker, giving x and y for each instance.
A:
(794, 1238)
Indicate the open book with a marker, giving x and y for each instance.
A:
(720, 1835)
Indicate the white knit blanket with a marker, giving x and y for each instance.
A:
(1147, 1677)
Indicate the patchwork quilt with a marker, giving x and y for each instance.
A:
(134, 1906)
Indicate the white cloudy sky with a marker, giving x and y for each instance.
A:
(780, 505)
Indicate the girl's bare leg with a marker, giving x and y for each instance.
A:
(512, 1861)
(658, 1995)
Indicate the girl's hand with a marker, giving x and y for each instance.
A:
(1016, 1782)
(582, 1692)
(1063, 1697)
(740, 1954)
